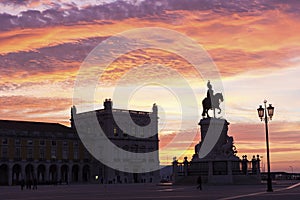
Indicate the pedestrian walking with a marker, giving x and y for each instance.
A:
(22, 184)
(199, 181)
(29, 184)
(35, 182)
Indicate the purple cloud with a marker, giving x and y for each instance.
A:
(118, 10)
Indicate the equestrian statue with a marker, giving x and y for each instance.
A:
(212, 101)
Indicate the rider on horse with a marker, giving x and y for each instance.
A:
(210, 93)
(212, 101)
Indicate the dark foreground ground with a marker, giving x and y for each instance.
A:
(282, 190)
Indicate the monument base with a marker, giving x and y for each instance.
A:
(215, 159)
(214, 172)
(215, 143)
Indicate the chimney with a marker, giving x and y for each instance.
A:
(73, 112)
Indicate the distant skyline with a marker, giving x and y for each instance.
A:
(254, 44)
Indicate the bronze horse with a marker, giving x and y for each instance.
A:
(213, 104)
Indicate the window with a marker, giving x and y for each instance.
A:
(42, 142)
(53, 153)
(29, 142)
(150, 149)
(17, 152)
(75, 143)
(53, 143)
(17, 141)
(142, 132)
(29, 153)
(65, 143)
(75, 154)
(115, 131)
(65, 153)
(75, 150)
(142, 149)
(4, 141)
(134, 148)
(86, 154)
(4, 152)
(126, 148)
(42, 153)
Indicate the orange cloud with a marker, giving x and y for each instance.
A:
(248, 34)
(35, 109)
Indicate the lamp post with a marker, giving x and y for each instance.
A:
(263, 114)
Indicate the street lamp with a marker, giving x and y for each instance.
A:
(263, 114)
(292, 176)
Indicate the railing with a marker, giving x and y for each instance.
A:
(240, 167)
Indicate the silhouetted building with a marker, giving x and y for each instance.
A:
(54, 153)
(49, 152)
(132, 139)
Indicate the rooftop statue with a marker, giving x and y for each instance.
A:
(211, 101)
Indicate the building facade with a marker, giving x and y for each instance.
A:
(48, 152)
(53, 153)
(132, 138)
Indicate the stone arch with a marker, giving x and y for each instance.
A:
(29, 172)
(53, 174)
(41, 173)
(86, 173)
(75, 173)
(16, 174)
(3, 174)
(64, 173)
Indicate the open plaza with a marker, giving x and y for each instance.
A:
(282, 190)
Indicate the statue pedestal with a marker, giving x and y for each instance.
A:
(215, 143)
(215, 160)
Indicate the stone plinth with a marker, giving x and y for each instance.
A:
(215, 143)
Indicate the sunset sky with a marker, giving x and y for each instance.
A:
(255, 46)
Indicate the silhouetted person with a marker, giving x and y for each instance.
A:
(35, 184)
(27, 184)
(210, 92)
(22, 184)
(199, 181)
(30, 184)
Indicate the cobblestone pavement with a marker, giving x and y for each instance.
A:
(283, 190)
